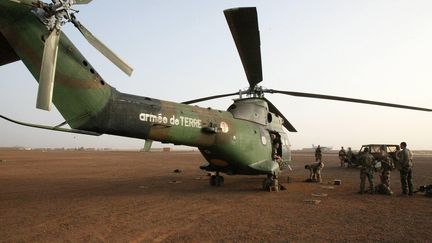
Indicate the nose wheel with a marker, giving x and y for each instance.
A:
(216, 180)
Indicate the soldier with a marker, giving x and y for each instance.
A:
(405, 168)
(386, 166)
(342, 156)
(276, 149)
(315, 171)
(276, 145)
(349, 156)
(383, 189)
(273, 137)
(318, 154)
(367, 170)
(276, 156)
(397, 158)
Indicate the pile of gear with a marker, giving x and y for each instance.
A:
(426, 189)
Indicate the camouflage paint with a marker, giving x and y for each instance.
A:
(88, 103)
(79, 92)
(7, 54)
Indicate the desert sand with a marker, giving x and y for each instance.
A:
(136, 197)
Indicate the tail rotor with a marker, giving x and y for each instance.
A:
(55, 15)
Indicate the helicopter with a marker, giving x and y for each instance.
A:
(239, 141)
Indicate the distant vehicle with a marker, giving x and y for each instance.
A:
(374, 149)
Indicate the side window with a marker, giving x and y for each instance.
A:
(375, 149)
(265, 138)
(391, 149)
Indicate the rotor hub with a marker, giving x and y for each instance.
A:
(55, 14)
(253, 92)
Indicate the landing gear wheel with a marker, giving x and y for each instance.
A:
(219, 180)
(213, 180)
(216, 180)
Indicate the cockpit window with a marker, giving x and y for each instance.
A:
(253, 110)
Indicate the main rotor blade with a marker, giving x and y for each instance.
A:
(51, 128)
(102, 48)
(243, 23)
(208, 98)
(286, 123)
(47, 72)
(329, 97)
(81, 1)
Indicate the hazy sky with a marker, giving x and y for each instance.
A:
(181, 50)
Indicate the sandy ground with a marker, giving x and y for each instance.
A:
(130, 196)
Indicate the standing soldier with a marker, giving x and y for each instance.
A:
(276, 149)
(276, 155)
(318, 154)
(367, 170)
(342, 156)
(349, 156)
(405, 168)
(397, 158)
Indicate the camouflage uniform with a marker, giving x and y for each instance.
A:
(386, 166)
(383, 189)
(276, 156)
(315, 171)
(367, 170)
(349, 156)
(318, 154)
(277, 150)
(397, 159)
(405, 165)
(342, 156)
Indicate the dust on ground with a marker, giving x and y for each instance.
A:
(137, 197)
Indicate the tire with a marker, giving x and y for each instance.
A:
(219, 180)
(212, 180)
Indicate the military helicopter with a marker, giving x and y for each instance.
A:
(240, 140)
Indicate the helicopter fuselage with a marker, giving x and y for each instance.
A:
(236, 141)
